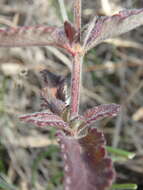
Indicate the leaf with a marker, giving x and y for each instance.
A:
(56, 84)
(44, 119)
(70, 31)
(33, 36)
(100, 112)
(125, 186)
(102, 28)
(53, 94)
(54, 105)
(86, 164)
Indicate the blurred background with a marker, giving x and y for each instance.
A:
(112, 73)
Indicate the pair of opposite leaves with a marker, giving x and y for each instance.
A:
(99, 29)
(86, 164)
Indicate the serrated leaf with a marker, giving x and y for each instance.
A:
(102, 28)
(44, 119)
(33, 36)
(100, 112)
(86, 164)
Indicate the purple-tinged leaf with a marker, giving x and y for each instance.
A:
(70, 31)
(44, 119)
(55, 83)
(62, 91)
(102, 28)
(100, 112)
(34, 36)
(50, 79)
(53, 104)
(86, 164)
(53, 93)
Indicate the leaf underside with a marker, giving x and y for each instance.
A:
(100, 112)
(33, 36)
(86, 164)
(102, 28)
(44, 119)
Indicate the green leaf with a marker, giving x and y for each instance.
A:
(124, 186)
(120, 153)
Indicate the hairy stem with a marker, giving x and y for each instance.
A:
(77, 15)
(76, 84)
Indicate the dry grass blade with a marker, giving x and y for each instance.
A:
(106, 6)
(63, 10)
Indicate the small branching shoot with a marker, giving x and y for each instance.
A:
(86, 163)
